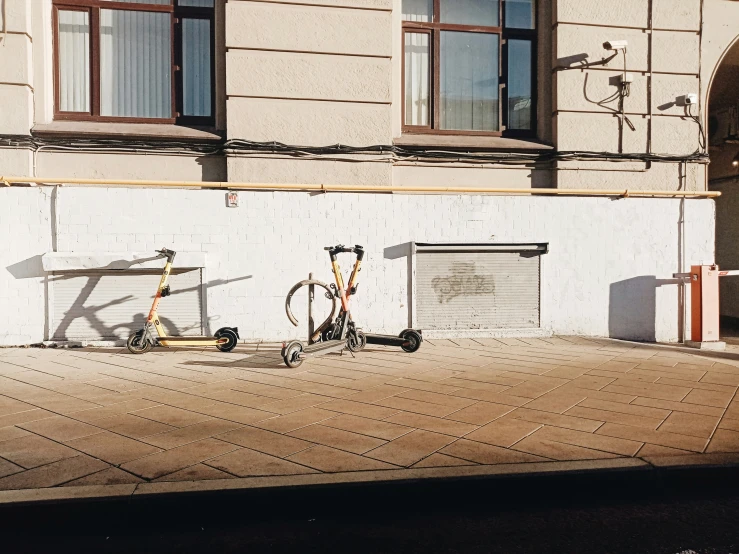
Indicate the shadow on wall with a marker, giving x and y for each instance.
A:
(31, 268)
(82, 308)
(213, 168)
(632, 308)
(397, 252)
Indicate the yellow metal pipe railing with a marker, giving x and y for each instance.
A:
(624, 193)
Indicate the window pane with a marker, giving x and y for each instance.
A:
(74, 61)
(418, 10)
(469, 81)
(197, 3)
(519, 84)
(470, 12)
(519, 14)
(135, 64)
(196, 76)
(417, 79)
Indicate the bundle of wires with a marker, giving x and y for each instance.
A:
(341, 152)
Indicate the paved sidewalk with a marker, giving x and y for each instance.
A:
(80, 417)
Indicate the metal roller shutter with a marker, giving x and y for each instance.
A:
(477, 290)
(107, 305)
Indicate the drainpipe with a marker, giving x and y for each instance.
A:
(649, 79)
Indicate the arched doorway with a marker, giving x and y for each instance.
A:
(723, 175)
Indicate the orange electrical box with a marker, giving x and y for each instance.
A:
(704, 303)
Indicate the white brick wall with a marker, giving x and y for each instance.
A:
(25, 235)
(601, 277)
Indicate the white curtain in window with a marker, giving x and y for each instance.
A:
(418, 10)
(74, 61)
(135, 64)
(470, 12)
(417, 79)
(196, 75)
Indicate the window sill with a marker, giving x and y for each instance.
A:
(476, 142)
(150, 131)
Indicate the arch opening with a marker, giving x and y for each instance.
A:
(723, 175)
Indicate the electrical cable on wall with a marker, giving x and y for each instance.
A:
(389, 153)
(4, 15)
(702, 133)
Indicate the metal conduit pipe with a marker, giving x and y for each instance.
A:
(10, 181)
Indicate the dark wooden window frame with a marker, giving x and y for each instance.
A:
(178, 13)
(434, 29)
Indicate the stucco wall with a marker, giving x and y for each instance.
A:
(663, 55)
(316, 73)
(720, 23)
(310, 74)
(607, 274)
(16, 82)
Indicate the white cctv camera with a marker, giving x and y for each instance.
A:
(615, 44)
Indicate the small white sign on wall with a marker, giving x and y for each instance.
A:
(232, 199)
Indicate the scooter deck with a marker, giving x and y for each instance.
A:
(323, 348)
(189, 341)
(387, 340)
(184, 339)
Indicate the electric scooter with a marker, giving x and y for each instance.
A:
(142, 341)
(333, 336)
(342, 333)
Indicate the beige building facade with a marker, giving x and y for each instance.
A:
(584, 95)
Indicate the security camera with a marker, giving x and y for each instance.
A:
(615, 45)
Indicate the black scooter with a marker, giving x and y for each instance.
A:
(342, 333)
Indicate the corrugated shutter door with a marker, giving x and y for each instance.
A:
(97, 305)
(477, 290)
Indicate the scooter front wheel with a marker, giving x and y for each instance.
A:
(232, 339)
(138, 344)
(358, 343)
(413, 339)
(292, 354)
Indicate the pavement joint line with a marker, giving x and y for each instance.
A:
(720, 419)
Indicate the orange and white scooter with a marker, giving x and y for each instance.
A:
(142, 341)
(341, 333)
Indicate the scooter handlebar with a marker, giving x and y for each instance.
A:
(167, 253)
(340, 248)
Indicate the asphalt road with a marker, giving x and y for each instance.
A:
(668, 524)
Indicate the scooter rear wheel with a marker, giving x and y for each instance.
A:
(414, 340)
(292, 353)
(137, 343)
(227, 333)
